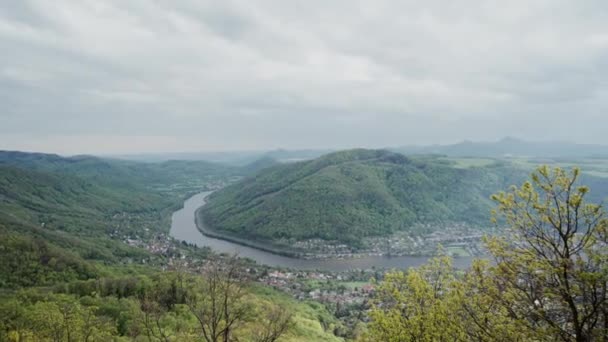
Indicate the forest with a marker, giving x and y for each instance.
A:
(69, 273)
(349, 195)
(66, 273)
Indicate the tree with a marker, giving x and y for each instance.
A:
(479, 308)
(217, 300)
(63, 318)
(159, 305)
(13, 320)
(415, 306)
(274, 322)
(552, 265)
(47, 321)
(152, 314)
(547, 282)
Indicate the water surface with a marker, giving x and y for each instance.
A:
(183, 228)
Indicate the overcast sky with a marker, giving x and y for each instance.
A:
(124, 76)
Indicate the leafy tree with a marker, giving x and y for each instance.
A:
(547, 282)
(552, 266)
(479, 308)
(217, 301)
(152, 314)
(62, 318)
(272, 323)
(417, 305)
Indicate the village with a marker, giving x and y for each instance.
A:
(347, 294)
(458, 240)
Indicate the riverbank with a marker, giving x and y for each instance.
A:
(243, 242)
(184, 228)
(277, 250)
(458, 241)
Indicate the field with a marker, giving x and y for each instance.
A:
(597, 167)
(591, 166)
(464, 163)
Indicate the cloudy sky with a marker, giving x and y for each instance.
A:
(124, 76)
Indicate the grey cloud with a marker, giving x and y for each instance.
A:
(266, 74)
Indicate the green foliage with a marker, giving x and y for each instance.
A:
(51, 225)
(352, 194)
(67, 275)
(32, 261)
(60, 217)
(154, 308)
(416, 306)
(548, 281)
(120, 173)
(553, 263)
(311, 320)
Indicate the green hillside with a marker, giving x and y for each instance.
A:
(173, 174)
(56, 227)
(352, 194)
(66, 272)
(60, 218)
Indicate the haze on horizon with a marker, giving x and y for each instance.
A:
(175, 76)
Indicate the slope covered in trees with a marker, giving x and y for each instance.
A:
(352, 194)
(51, 224)
(66, 273)
(219, 305)
(115, 172)
(60, 217)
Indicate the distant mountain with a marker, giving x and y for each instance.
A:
(258, 165)
(286, 156)
(232, 158)
(352, 194)
(120, 172)
(508, 146)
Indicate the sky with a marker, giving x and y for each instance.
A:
(138, 76)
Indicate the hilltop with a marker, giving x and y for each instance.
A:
(348, 195)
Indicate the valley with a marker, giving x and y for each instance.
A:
(184, 228)
(73, 232)
(362, 203)
(297, 171)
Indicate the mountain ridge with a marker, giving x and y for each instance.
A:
(352, 194)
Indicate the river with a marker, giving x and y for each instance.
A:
(183, 228)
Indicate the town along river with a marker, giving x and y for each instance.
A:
(183, 228)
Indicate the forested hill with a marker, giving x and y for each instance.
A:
(84, 254)
(351, 194)
(55, 226)
(72, 212)
(120, 172)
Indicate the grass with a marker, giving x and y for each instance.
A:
(589, 166)
(465, 163)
